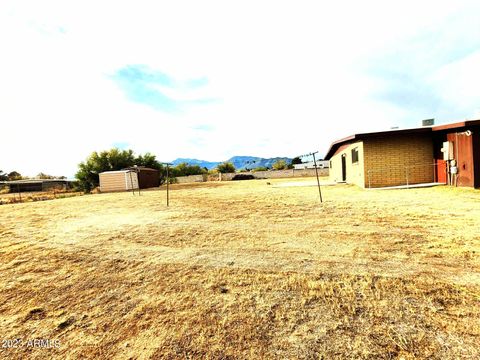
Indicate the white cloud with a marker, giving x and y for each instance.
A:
(289, 77)
(463, 79)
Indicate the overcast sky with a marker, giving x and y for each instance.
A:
(213, 79)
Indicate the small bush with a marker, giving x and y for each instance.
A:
(280, 165)
(243, 177)
(226, 167)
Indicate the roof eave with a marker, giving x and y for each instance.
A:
(457, 125)
(362, 136)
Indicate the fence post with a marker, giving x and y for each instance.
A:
(168, 193)
(406, 174)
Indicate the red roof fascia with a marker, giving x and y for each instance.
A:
(456, 125)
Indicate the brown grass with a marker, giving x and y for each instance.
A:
(13, 198)
(244, 270)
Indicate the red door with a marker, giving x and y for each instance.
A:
(441, 171)
(463, 153)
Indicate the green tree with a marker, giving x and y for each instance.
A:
(226, 167)
(42, 175)
(3, 176)
(14, 175)
(280, 165)
(184, 169)
(148, 160)
(296, 160)
(46, 176)
(110, 160)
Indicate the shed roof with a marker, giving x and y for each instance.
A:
(141, 168)
(117, 171)
(34, 181)
(418, 130)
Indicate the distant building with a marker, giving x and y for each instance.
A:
(321, 164)
(34, 185)
(444, 154)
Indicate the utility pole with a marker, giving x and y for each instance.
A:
(131, 182)
(137, 171)
(316, 172)
(168, 182)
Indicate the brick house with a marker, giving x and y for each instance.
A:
(409, 156)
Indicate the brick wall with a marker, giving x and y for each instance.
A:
(391, 160)
(278, 174)
(191, 179)
(274, 174)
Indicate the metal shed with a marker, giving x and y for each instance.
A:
(147, 177)
(121, 180)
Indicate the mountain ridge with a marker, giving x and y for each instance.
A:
(240, 162)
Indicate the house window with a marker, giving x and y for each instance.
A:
(355, 155)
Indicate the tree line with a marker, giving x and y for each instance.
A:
(15, 175)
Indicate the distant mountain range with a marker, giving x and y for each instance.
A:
(240, 162)
(202, 163)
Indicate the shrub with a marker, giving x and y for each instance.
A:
(184, 169)
(296, 160)
(261, 168)
(243, 177)
(226, 167)
(280, 165)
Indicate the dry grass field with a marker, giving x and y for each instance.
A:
(244, 270)
(12, 198)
